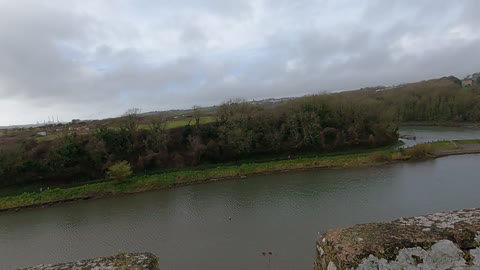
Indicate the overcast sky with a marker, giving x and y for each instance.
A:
(93, 59)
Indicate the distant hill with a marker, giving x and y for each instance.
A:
(270, 102)
(20, 126)
(449, 82)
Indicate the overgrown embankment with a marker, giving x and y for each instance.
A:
(141, 183)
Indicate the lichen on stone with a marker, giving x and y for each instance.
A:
(425, 242)
(331, 266)
(475, 253)
(123, 261)
(444, 220)
(443, 255)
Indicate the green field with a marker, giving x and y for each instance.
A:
(182, 122)
(174, 123)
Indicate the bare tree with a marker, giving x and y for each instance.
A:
(131, 120)
(159, 137)
(196, 115)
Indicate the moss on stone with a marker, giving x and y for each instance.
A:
(121, 261)
(387, 242)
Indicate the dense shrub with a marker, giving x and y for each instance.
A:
(119, 171)
(242, 130)
(419, 151)
(381, 157)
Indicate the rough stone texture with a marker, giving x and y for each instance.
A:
(135, 261)
(438, 241)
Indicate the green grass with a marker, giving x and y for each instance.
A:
(182, 122)
(35, 188)
(444, 145)
(474, 141)
(140, 183)
(49, 137)
(17, 190)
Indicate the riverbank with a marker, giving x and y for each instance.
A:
(474, 125)
(142, 183)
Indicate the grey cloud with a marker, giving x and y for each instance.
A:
(89, 66)
(30, 50)
(222, 8)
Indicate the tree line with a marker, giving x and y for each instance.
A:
(242, 130)
(440, 100)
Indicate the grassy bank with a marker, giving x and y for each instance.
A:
(141, 183)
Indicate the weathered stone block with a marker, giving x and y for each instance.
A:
(134, 261)
(448, 240)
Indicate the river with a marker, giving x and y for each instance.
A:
(429, 134)
(227, 225)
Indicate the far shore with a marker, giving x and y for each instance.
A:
(473, 125)
(143, 183)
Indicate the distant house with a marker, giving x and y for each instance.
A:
(471, 80)
(82, 129)
(42, 133)
(467, 82)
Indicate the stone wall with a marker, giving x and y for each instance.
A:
(124, 261)
(438, 241)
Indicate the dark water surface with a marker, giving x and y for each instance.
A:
(189, 227)
(429, 134)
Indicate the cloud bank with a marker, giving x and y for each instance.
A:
(95, 59)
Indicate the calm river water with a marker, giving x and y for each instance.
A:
(227, 225)
(429, 134)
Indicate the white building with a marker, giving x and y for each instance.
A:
(467, 83)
